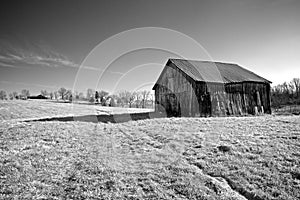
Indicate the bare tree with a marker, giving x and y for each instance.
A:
(51, 95)
(103, 95)
(69, 95)
(138, 97)
(44, 93)
(124, 97)
(285, 88)
(296, 82)
(2, 95)
(116, 99)
(132, 98)
(291, 87)
(90, 95)
(80, 96)
(287, 93)
(152, 100)
(15, 95)
(145, 95)
(113, 101)
(11, 96)
(25, 93)
(76, 95)
(55, 95)
(62, 92)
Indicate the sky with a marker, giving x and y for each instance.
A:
(104, 45)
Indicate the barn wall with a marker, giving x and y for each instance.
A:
(175, 93)
(238, 98)
(178, 95)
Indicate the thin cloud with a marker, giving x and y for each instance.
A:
(2, 64)
(32, 54)
(29, 54)
(99, 69)
(7, 58)
(29, 84)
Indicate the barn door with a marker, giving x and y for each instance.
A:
(183, 100)
(172, 106)
(205, 105)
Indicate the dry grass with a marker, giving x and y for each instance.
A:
(175, 158)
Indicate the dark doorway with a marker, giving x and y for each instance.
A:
(172, 106)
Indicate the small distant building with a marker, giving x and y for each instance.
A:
(205, 88)
(37, 97)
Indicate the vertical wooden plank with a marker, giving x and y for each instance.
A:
(190, 99)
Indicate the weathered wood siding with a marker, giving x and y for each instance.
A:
(239, 98)
(175, 93)
(179, 95)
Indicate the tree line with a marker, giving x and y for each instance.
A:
(137, 99)
(287, 93)
(24, 94)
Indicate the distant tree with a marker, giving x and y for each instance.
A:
(137, 99)
(286, 93)
(291, 88)
(69, 95)
(132, 98)
(119, 102)
(11, 96)
(44, 93)
(51, 95)
(152, 100)
(78, 95)
(15, 95)
(113, 101)
(285, 88)
(2, 95)
(145, 95)
(124, 97)
(103, 95)
(116, 100)
(81, 96)
(279, 96)
(90, 95)
(97, 96)
(91, 99)
(25, 93)
(296, 82)
(62, 92)
(55, 93)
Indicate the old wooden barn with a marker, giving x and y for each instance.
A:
(204, 88)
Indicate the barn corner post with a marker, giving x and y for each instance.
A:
(268, 91)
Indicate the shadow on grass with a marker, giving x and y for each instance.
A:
(117, 118)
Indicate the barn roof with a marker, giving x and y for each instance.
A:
(216, 72)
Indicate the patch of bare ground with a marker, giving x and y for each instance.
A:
(166, 158)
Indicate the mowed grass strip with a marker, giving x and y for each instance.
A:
(40, 109)
(174, 158)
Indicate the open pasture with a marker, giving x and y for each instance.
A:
(160, 158)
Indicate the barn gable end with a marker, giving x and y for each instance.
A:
(202, 88)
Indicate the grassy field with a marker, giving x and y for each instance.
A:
(167, 158)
